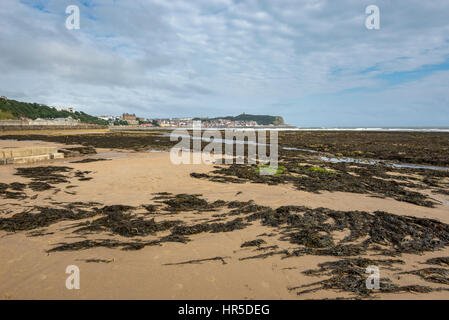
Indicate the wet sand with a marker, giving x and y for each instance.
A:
(131, 178)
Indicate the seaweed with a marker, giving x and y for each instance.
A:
(313, 179)
(107, 243)
(441, 261)
(349, 275)
(265, 255)
(39, 186)
(97, 260)
(435, 275)
(229, 226)
(77, 151)
(312, 231)
(127, 141)
(17, 186)
(118, 222)
(49, 174)
(16, 194)
(43, 218)
(39, 233)
(253, 243)
(187, 202)
(88, 160)
(198, 261)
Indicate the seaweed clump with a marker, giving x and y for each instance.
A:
(49, 174)
(319, 231)
(435, 275)
(253, 243)
(117, 221)
(77, 151)
(441, 261)
(386, 233)
(187, 202)
(349, 275)
(315, 179)
(228, 226)
(106, 243)
(88, 160)
(5, 193)
(43, 218)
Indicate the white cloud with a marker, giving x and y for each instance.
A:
(205, 57)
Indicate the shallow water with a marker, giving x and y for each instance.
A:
(328, 157)
(387, 163)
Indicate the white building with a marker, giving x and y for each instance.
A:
(69, 109)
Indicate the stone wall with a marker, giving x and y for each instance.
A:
(45, 125)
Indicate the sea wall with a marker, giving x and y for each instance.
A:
(45, 125)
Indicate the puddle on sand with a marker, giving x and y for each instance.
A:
(388, 163)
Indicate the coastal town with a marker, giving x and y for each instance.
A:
(127, 119)
(16, 113)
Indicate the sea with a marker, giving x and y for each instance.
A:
(399, 129)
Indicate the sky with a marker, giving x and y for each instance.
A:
(313, 62)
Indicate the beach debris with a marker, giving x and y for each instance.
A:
(341, 179)
(150, 208)
(197, 261)
(266, 255)
(312, 230)
(39, 233)
(117, 221)
(88, 160)
(112, 140)
(107, 243)
(349, 275)
(435, 275)
(253, 243)
(11, 194)
(441, 261)
(48, 174)
(39, 186)
(93, 260)
(407, 147)
(44, 217)
(42, 179)
(17, 186)
(382, 232)
(77, 151)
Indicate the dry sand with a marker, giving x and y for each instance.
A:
(28, 272)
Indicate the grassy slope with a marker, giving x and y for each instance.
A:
(10, 109)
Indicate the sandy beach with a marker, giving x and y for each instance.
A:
(317, 136)
(211, 265)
